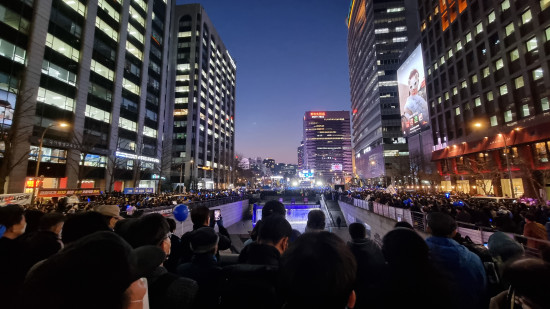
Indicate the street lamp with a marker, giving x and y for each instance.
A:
(191, 175)
(53, 124)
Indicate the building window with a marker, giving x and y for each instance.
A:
(102, 70)
(518, 82)
(103, 26)
(136, 16)
(531, 44)
(477, 101)
(509, 29)
(468, 37)
(486, 72)
(55, 99)
(97, 114)
(489, 96)
(508, 116)
(537, 73)
(479, 28)
(541, 152)
(547, 34)
(446, 96)
(504, 5)
(109, 10)
(457, 111)
(494, 121)
(134, 50)
(525, 110)
(78, 6)
(545, 104)
(439, 100)
(62, 47)
(135, 33)
(442, 60)
(499, 64)
(128, 85)
(149, 132)
(503, 89)
(127, 124)
(491, 17)
(459, 43)
(455, 90)
(544, 4)
(463, 85)
(514, 55)
(474, 78)
(526, 17)
(449, 53)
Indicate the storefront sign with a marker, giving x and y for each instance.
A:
(138, 190)
(67, 192)
(19, 199)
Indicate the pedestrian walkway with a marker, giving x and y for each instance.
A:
(335, 212)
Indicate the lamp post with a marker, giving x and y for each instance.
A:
(191, 175)
(181, 176)
(60, 124)
(508, 165)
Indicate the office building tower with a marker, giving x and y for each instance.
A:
(202, 87)
(301, 155)
(487, 68)
(95, 66)
(327, 146)
(378, 31)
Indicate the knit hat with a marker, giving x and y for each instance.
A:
(109, 210)
(204, 240)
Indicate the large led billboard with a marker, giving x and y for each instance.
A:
(412, 94)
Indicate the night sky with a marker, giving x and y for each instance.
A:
(291, 57)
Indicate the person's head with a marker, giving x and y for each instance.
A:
(414, 80)
(273, 207)
(441, 225)
(404, 224)
(111, 214)
(204, 240)
(171, 224)
(357, 231)
(82, 224)
(52, 222)
(151, 230)
(318, 271)
(315, 220)
(13, 219)
(529, 283)
(529, 217)
(276, 231)
(403, 247)
(200, 216)
(94, 272)
(503, 247)
(32, 217)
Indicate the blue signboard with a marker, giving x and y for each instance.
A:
(138, 190)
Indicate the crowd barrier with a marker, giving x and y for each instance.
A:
(166, 210)
(478, 234)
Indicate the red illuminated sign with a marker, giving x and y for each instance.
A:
(317, 114)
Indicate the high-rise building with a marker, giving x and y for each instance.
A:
(487, 78)
(301, 155)
(327, 145)
(97, 66)
(378, 31)
(202, 86)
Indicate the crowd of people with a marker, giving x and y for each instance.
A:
(98, 259)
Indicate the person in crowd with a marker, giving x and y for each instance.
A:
(200, 216)
(462, 215)
(411, 274)
(316, 221)
(463, 267)
(529, 285)
(272, 241)
(534, 230)
(32, 217)
(370, 267)
(175, 248)
(12, 267)
(100, 270)
(503, 248)
(271, 207)
(111, 214)
(47, 240)
(204, 268)
(82, 224)
(404, 224)
(166, 290)
(318, 271)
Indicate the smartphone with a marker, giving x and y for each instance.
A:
(217, 214)
(486, 245)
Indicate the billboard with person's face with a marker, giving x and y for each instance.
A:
(412, 94)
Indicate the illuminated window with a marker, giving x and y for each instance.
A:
(503, 89)
(545, 104)
(439, 100)
(504, 5)
(455, 90)
(514, 55)
(537, 73)
(499, 64)
(449, 53)
(463, 85)
(458, 46)
(477, 101)
(547, 34)
(128, 85)
(509, 29)
(494, 121)
(485, 71)
(108, 9)
(149, 132)
(77, 6)
(531, 44)
(58, 73)
(127, 124)
(137, 16)
(135, 33)
(442, 60)
(474, 78)
(468, 37)
(489, 96)
(479, 28)
(12, 52)
(62, 47)
(102, 70)
(141, 3)
(184, 34)
(518, 82)
(103, 26)
(97, 114)
(491, 18)
(544, 4)
(55, 99)
(393, 10)
(381, 30)
(508, 116)
(134, 50)
(526, 17)
(525, 110)
(457, 111)
(400, 29)
(446, 95)
(180, 112)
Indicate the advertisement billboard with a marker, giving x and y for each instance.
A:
(412, 94)
(336, 167)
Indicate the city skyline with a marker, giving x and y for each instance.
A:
(273, 58)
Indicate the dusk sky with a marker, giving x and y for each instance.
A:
(291, 57)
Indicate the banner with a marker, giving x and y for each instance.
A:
(67, 192)
(19, 199)
(139, 190)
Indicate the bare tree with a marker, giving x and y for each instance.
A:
(84, 143)
(484, 172)
(15, 134)
(535, 177)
